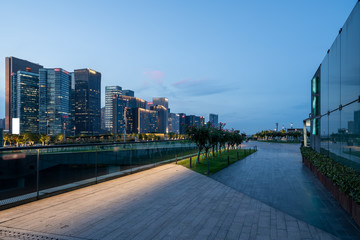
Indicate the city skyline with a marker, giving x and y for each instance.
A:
(252, 75)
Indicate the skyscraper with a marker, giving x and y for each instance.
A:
(54, 101)
(162, 118)
(140, 120)
(214, 119)
(87, 101)
(25, 102)
(174, 124)
(129, 93)
(110, 91)
(122, 104)
(161, 101)
(12, 65)
(182, 123)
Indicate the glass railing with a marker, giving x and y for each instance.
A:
(29, 173)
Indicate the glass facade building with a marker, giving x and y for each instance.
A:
(174, 123)
(12, 65)
(110, 91)
(335, 97)
(54, 101)
(122, 104)
(87, 101)
(25, 101)
(214, 119)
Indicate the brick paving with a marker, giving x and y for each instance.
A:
(167, 202)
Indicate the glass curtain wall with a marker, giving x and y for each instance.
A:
(340, 91)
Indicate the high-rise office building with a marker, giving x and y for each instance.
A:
(140, 120)
(182, 123)
(25, 102)
(54, 101)
(161, 101)
(110, 91)
(174, 123)
(214, 119)
(121, 104)
(102, 118)
(129, 93)
(162, 118)
(87, 101)
(12, 65)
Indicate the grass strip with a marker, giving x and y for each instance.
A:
(217, 162)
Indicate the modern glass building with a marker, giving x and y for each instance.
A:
(335, 95)
(122, 104)
(54, 101)
(12, 65)
(87, 101)
(110, 91)
(174, 123)
(140, 120)
(162, 113)
(25, 102)
(214, 119)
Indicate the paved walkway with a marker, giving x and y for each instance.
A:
(275, 175)
(167, 202)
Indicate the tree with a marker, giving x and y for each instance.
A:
(43, 139)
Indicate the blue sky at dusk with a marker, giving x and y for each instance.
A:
(249, 61)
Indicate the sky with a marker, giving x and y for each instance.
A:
(251, 62)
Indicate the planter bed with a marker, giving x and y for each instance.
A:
(350, 204)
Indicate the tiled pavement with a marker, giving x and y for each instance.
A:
(167, 202)
(275, 176)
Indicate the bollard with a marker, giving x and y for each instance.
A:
(228, 160)
(190, 162)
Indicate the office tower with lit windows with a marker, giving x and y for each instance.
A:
(87, 101)
(25, 102)
(161, 101)
(214, 119)
(140, 120)
(12, 65)
(110, 91)
(174, 123)
(162, 118)
(122, 104)
(54, 101)
(182, 123)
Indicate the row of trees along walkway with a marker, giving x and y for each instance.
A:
(208, 138)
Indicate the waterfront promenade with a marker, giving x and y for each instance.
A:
(166, 202)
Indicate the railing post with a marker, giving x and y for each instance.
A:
(96, 160)
(37, 173)
(190, 162)
(176, 158)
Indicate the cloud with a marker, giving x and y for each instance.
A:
(155, 75)
(200, 87)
